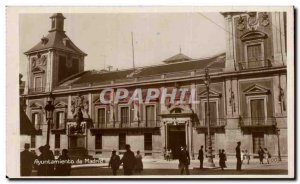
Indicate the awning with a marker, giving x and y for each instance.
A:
(26, 127)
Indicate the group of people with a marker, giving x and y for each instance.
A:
(44, 163)
(264, 154)
(131, 163)
(245, 156)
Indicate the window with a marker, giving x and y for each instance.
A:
(213, 141)
(101, 117)
(62, 68)
(75, 66)
(38, 83)
(53, 23)
(257, 111)
(254, 55)
(57, 141)
(60, 120)
(35, 120)
(150, 115)
(148, 143)
(124, 115)
(212, 112)
(98, 143)
(258, 141)
(32, 141)
(122, 141)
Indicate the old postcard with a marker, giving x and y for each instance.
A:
(150, 92)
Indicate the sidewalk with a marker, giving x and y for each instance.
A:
(173, 164)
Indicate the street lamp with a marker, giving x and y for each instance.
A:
(278, 142)
(209, 142)
(49, 108)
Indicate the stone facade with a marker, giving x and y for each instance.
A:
(235, 88)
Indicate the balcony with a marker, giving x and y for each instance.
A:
(36, 90)
(117, 125)
(248, 122)
(60, 129)
(219, 123)
(254, 64)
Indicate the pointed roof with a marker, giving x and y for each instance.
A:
(56, 40)
(177, 58)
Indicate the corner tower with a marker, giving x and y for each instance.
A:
(53, 59)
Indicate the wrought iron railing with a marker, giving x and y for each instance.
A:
(36, 90)
(251, 122)
(135, 124)
(216, 122)
(254, 64)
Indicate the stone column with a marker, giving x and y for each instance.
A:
(69, 115)
(278, 39)
(230, 62)
(90, 105)
(28, 80)
(232, 130)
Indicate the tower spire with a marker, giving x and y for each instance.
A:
(57, 22)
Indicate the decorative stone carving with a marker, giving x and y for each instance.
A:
(252, 20)
(241, 23)
(79, 103)
(39, 61)
(264, 21)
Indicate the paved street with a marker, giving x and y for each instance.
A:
(162, 167)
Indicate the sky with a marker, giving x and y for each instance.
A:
(106, 38)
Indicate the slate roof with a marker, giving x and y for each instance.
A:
(177, 58)
(55, 39)
(196, 64)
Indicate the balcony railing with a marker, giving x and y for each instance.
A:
(36, 90)
(135, 124)
(214, 123)
(257, 122)
(254, 64)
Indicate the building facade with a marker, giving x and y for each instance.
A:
(247, 95)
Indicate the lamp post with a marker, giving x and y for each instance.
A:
(49, 108)
(278, 142)
(209, 142)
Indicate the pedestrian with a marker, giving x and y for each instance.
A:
(267, 155)
(261, 155)
(63, 168)
(168, 154)
(27, 159)
(223, 159)
(128, 161)
(114, 162)
(138, 163)
(220, 155)
(49, 157)
(41, 168)
(184, 160)
(201, 156)
(238, 156)
(243, 156)
(247, 155)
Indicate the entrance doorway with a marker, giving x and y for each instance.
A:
(76, 142)
(176, 139)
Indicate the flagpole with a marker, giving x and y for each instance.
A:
(132, 50)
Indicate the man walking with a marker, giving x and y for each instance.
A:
(114, 162)
(27, 159)
(128, 161)
(184, 161)
(200, 157)
(238, 156)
